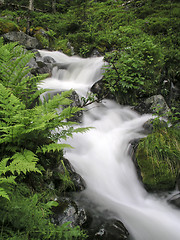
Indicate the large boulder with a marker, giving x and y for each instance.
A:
(155, 104)
(157, 157)
(23, 39)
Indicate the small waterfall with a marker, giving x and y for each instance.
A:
(101, 156)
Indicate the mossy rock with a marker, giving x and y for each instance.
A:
(158, 158)
(42, 36)
(7, 26)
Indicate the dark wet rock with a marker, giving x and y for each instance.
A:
(132, 152)
(76, 103)
(100, 90)
(101, 223)
(142, 108)
(61, 65)
(111, 230)
(178, 183)
(175, 200)
(69, 211)
(48, 59)
(77, 182)
(148, 126)
(33, 65)
(24, 39)
(45, 65)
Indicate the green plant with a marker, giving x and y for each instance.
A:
(158, 157)
(27, 216)
(135, 69)
(27, 136)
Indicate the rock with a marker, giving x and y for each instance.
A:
(101, 92)
(78, 183)
(101, 224)
(22, 38)
(154, 104)
(111, 230)
(48, 59)
(43, 38)
(95, 53)
(43, 65)
(7, 26)
(175, 200)
(69, 211)
(76, 103)
(148, 127)
(71, 48)
(157, 161)
(33, 65)
(157, 104)
(61, 65)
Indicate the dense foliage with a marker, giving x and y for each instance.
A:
(161, 171)
(140, 41)
(26, 143)
(140, 35)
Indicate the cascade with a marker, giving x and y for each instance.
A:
(101, 156)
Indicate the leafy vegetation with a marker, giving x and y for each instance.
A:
(158, 157)
(140, 41)
(140, 36)
(26, 140)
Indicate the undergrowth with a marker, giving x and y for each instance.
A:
(27, 139)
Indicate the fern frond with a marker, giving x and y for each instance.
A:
(24, 161)
(3, 193)
(69, 111)
(56, 102)
(3, 164)
(9, 104)
(12, 63)
(7, 180)
(53, 147)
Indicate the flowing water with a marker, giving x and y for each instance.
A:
(101, 156)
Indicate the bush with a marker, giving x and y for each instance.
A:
(136, 69)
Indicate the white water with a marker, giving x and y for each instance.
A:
(101, 156)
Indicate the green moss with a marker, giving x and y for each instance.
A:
(41, 36)
(7, 26)
(158, 158)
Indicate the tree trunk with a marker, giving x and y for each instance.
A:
(31, 5)
(54, 6)
(31, 8)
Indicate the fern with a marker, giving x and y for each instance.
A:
(15, 74)
(28, 134)
(3, 192)
(53, 147)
